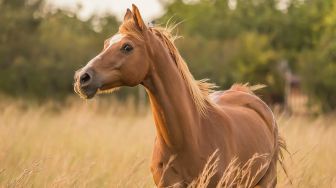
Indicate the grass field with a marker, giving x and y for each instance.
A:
(96, 144)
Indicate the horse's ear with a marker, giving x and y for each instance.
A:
(138, 19)
(128, 15)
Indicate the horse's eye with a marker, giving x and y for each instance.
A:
(126, 48)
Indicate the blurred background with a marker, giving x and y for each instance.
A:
(288, 45)
(50, 138)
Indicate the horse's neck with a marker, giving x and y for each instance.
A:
(174, 110)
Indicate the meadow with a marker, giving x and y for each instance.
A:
(102, 143)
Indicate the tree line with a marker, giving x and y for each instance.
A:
(227, 41)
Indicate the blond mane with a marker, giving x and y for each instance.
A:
(199, 89)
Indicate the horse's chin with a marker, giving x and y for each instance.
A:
(91, 94)
(87, 93)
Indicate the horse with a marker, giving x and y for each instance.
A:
(192, 120)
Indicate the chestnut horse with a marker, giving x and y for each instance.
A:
(192, 122)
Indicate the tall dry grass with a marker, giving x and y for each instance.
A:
(109, 144)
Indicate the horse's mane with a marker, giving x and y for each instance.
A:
(199, 89)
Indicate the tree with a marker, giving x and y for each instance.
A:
(41, 51)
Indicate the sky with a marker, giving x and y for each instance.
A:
(149, 8)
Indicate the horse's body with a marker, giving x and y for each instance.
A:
(191, 124)
(240, 125)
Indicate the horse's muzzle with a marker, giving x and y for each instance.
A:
(86, 86)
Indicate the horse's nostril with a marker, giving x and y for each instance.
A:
(85, 78)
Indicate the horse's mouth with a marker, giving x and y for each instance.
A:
(109, 87)
(90, 92)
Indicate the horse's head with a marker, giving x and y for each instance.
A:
(124, 60)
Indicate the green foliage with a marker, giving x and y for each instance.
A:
(40, 52)
(317, 65)
(318, 68)
(231, 45)
(246, 43)
(248, 58)
(227, 41)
